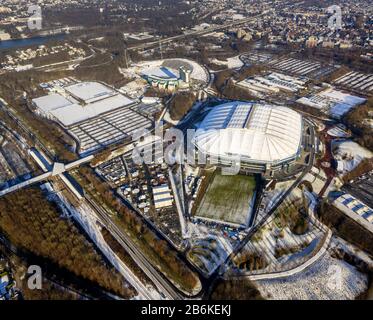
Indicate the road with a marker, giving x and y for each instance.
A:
(221, 269)
(195, 33)
(163, 284)
(12, 114)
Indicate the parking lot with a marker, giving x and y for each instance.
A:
(136, 184)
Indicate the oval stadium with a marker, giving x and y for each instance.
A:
(263, 138)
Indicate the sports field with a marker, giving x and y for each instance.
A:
(228, 199)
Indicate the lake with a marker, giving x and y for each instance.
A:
(19, 43)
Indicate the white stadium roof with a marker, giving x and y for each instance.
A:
(256, 132)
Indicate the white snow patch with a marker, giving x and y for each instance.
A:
(349, 154)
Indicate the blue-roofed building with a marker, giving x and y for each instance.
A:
(355, 209)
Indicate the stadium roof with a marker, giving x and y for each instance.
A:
(255, 132)
(162, 73)
(89, 91)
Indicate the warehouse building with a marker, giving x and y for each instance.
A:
(332, 102)
(355, 209)
(93, 113)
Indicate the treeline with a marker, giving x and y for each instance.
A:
(226, 86)
(349, 58)
(50, 291)
(158, 250)
(31, 223)
(249, 261)
(180, 104)
(107, 72)
(345, 227)
(124, 256)
(240, 289)
(355, 120)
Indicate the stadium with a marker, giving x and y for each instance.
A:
(167, 78)
(262, 138)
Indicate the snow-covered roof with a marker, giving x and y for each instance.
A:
(89, 91)
(162, 73)
(51, 102)
(334, 102)
(255, 132)
(76, 113)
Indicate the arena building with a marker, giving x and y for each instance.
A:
(167, 78)
(262, 138)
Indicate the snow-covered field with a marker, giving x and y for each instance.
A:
(349, 154)
(327, 279)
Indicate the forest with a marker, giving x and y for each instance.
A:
(346, 228)
(240, 289)
(180, 104)
(356, 121)
(33, 224)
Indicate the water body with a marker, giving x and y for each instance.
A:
(20, 43)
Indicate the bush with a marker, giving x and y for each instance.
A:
(241, 289)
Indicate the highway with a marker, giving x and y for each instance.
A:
(163, 284)
(195, 33)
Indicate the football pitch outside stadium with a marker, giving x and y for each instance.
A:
(228, 199)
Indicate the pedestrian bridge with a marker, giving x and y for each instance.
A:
(54, 169)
